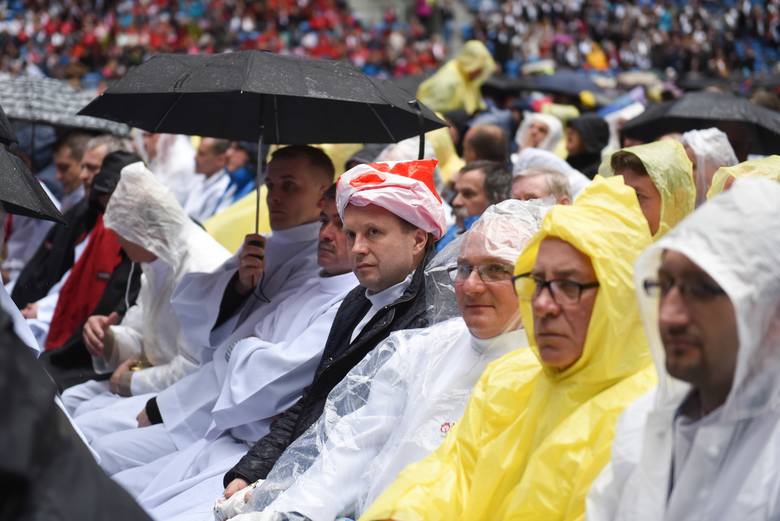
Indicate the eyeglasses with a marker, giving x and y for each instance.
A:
(487, 272)
(563, 291)
(696, 290)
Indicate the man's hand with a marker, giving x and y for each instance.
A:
(251, 263)
(234, 486)
(95, 331)
(30, 311)
(143, 419)
(120, 380)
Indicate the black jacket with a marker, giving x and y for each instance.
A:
(55, 256)
(338, 358)
(46, 472)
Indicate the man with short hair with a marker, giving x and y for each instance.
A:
(207, 195)
(479, 184)
(67, 168)
(537, 183)
(704, 445)
(485, 143)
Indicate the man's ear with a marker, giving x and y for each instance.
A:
(421, 239)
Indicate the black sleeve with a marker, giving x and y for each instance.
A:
(232, 301)
(153, 411)
(258, 462)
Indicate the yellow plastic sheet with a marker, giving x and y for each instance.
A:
(668, 166)
(456, 85)
(768, 167)
(532, 438)
(230, 225)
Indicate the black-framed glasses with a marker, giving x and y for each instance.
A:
(695, 290)
(563, 291)
(493, 272)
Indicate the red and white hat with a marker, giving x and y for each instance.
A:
(404, 188)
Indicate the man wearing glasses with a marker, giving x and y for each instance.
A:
(529, 445)
(711, 308)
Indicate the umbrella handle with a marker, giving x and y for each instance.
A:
(421, 121)
(258, 176)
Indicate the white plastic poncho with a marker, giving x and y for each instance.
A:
(143, 211)
(538, 158)
(712, 150)
(396, 406)
(554, 131)
(733, 469)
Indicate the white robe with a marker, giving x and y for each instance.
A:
(249, 398)
(223, 394)
(415, 398)
(207, 195)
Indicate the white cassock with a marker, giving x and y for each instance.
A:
(420, 382)
(256, 380)
(207, 195)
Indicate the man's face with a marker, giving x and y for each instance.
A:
(488, 308)
(90, 165)
(574, 143)
(207, 161)
(136, 252)
(561, 329)
(236, 157)
(382, 247)
(647, 194)
(332, 251)
(293, 193)
(537, 132)
(699, 334)
(470, 198)
(529, 187)
(67, 169)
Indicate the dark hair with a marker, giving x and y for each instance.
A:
(330, 193)
(498, 180)
(488, 142)
(219, 146)
(623, 159)
(318, 160)
(76, 143)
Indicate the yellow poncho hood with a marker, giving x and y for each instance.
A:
(668, 166)
(767, 167)
(532, 438)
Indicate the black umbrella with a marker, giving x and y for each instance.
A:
(7, 134)
(254, 95)
(21, 193)
(566, 82)
(750, 128)
(53, 102)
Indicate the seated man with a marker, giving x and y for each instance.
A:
(528, 446)
(662, 176)
(207, 193)
(256, 377)
(392, 216)
(537, 183)
(146, 352)
(419, 382)
(708, 447)
(766, 167)
(586, 137)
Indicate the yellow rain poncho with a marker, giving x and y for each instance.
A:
(768, 167)
(668, 166)
(230, 226)
(533, 439)
(456, 85)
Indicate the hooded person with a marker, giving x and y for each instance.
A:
(391, 215)
(228, 403)
(457, 84)
(541, 131)
(662, 177)
(586, 137)
(396, 406)
(708, 150)
(707, 448)
(146, 352)
(529, 445)
(766, 167)
(536, 158)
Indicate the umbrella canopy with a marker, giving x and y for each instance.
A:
(54, 102)
(235, 95)
(21, 192)
(751, 128)
(7, 134)
(566, 82)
